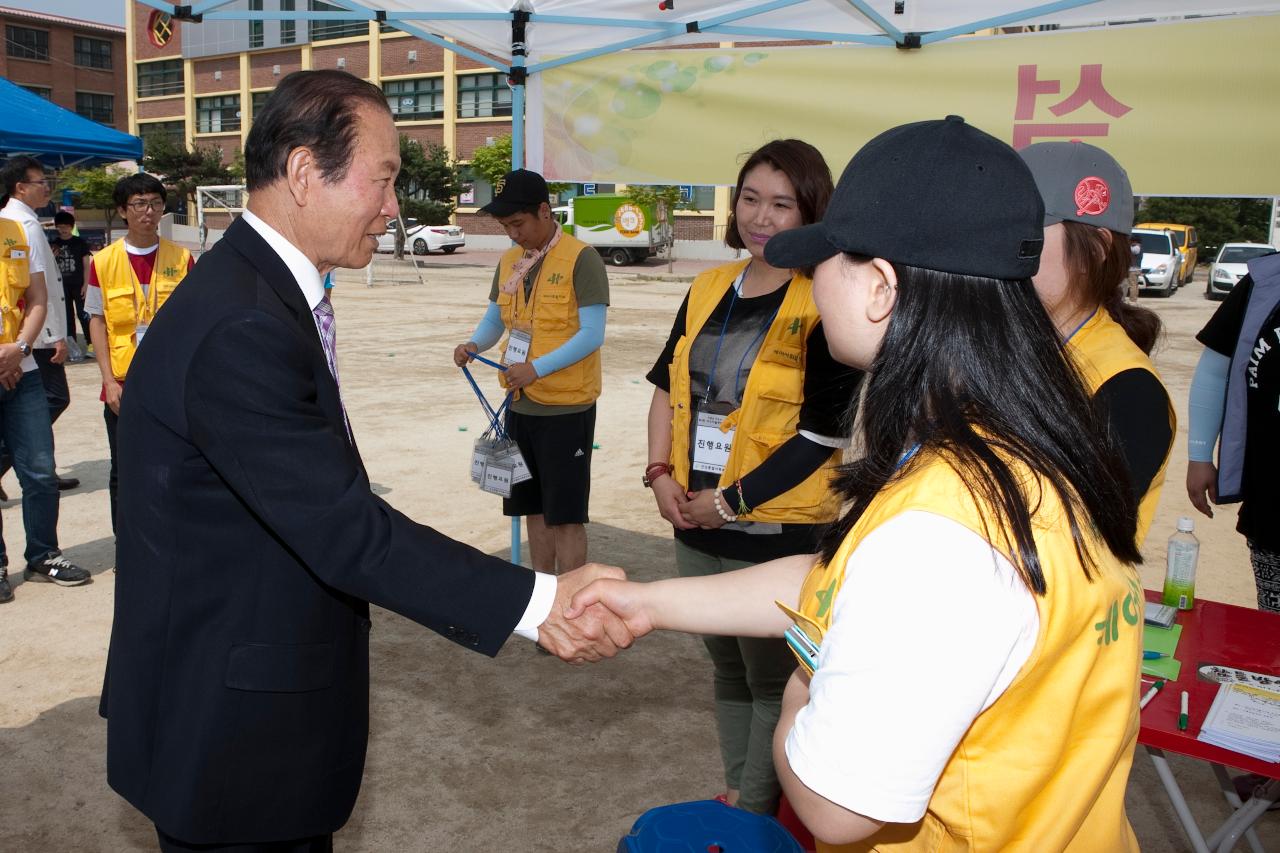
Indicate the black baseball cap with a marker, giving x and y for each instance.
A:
(940, 195)
(516, 191)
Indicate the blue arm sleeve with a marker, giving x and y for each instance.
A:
(1207, 403)
(490, 330)
(586, 340)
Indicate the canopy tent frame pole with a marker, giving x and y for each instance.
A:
(519, 74)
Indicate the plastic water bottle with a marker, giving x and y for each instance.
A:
(1180, 576)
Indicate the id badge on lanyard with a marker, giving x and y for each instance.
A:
(711, 446)
(518, 345)
(139, 331)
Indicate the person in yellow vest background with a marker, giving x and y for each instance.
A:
(969, 637)
(1083, 277)
(746, 424)
(547, 306)
(27, 265)
(128, 283)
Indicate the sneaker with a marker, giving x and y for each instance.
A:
(6, 591)
(58, 569)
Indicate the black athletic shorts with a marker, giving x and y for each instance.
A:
(557, 449)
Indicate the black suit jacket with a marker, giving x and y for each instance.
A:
(249, 542)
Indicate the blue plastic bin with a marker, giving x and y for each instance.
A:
(706, 826)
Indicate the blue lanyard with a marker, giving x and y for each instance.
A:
(724, 327)
(494, 415)
(1081, 326)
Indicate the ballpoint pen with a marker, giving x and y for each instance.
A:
(1151, 694)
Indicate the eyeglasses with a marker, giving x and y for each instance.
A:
(48, 182)
(154, 205)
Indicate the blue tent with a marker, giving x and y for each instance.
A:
(31, 125)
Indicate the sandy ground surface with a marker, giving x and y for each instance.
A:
(467, 753)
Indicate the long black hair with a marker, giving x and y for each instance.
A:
(967, 370)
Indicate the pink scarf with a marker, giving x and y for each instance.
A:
(528, 262)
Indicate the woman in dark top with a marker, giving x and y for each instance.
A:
(1084, 267)
(746, 422)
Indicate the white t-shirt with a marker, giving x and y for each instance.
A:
(41, 259)
(929, 628)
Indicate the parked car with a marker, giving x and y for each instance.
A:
(1185, 240)
(423, 239)
(1230, 266)
(1160, 263)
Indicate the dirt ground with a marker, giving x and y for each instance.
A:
(466, 753)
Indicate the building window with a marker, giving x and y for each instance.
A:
(160, 78)
(324, 30)
(93, 53)
(255, 27)
(26, 43)
(43, 91)
(218, 114)
(99, 108)
(483, 95)
(288, 29)
(174, 131)
(415, 99)
(259, 101)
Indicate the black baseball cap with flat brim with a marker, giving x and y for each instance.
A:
(515, 191)
(939, 195)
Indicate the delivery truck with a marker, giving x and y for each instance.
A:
(621, 230)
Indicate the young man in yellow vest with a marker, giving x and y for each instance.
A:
(128, 282)
(26, 261)
(547, 304)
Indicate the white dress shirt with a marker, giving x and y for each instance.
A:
(312, 286)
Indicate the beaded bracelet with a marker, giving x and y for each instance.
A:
(720, 507)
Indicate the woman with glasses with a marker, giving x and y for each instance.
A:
(128, 283)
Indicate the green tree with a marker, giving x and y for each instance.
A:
(1218, 220)
(181, 170)
(94, 188)
(428, 185)
(493, 161)
(652, 194)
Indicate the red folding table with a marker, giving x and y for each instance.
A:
(1224, 635)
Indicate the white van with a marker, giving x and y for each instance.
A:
(1161, 262)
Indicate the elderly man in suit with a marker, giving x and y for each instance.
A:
(236, 693)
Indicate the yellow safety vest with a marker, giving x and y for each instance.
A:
(1101, 350)
(15, 276)
(551, 314)
(1045, 767)
(124, 305)
(771, 399)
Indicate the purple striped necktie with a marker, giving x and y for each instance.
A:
(328, 326)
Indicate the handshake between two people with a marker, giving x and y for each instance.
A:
(596, 613)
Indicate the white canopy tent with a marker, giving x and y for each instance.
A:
(530, 36)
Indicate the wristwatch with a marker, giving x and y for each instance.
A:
(24, 348)
(653, 471)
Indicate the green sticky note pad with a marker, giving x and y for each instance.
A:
(1163, 640)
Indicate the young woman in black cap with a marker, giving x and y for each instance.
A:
(1083, 272)
(745, 427)
(970, 635)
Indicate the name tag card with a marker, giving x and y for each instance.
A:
(711, 446)
(497, 478)
(519, 470)
(138, 332)
(518, 345)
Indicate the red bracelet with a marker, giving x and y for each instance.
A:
(649, 472)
